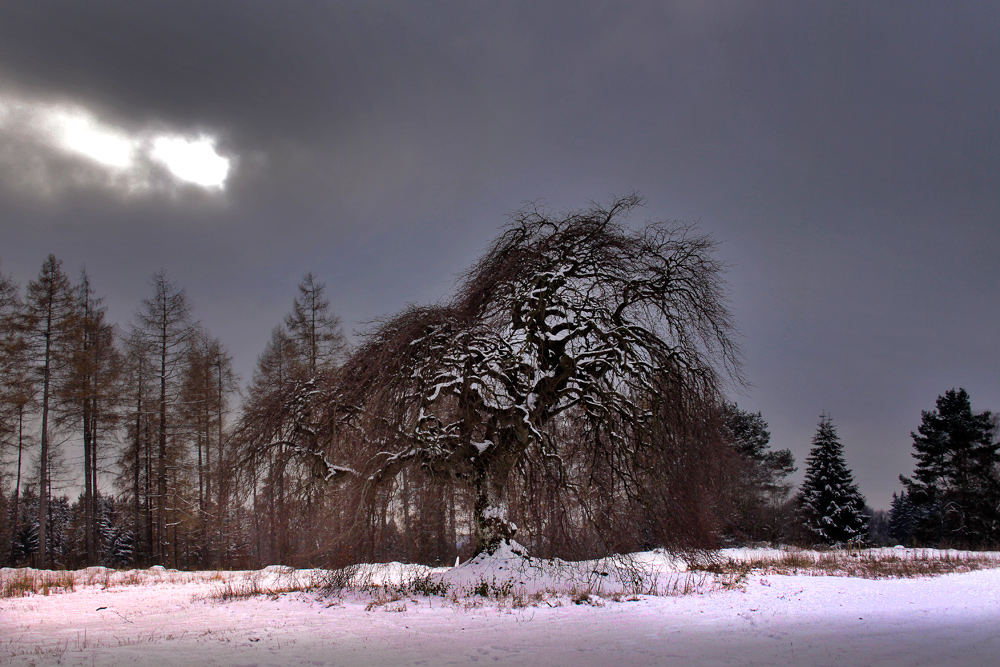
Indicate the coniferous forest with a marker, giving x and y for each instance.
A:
(572, 395)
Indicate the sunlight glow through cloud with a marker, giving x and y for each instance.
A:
(192, 160)
(77, 131)
(137, 161)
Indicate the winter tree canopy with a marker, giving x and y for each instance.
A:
(574, 316)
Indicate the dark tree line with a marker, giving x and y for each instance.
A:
(569, 396)
(138, 416)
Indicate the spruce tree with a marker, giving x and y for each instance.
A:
(954, 489)
(901, 518)
(833, 510)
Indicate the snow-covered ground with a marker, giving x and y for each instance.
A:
(157, 617)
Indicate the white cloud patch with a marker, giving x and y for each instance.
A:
(192, 160)
(50, 141)
(77, 131)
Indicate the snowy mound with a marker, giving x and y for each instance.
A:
(510, 570)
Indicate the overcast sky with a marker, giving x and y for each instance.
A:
(846, 156)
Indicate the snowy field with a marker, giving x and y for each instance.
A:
(534, 613)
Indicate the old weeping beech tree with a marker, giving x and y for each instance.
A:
(574, 317)
(577, 317)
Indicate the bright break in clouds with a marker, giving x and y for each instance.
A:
(51, 136)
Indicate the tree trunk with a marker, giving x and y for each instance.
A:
(43, 487)
(88, 481)
(206, 510)
(490, 509)
(17, 485)
(93, 471)
(87, 415)
(407, 531)
(161, 459)
(452, 529)
(220, 507)
(136, 489)
(149, 490)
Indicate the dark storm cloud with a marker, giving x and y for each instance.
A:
(310, 96)
(845, 154)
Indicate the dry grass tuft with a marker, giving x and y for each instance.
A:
(22, 582)
(252, 585)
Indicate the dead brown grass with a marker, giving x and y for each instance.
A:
(21, 582)
(854, 563)
(252, 585)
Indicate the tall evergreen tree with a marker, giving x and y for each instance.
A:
(833, 509)
(878, 527)
(750, 437)
(315, 330)
(24, 543)
(955, 488)
(273, 427)
(49, 321)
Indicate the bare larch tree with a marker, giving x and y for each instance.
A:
(49, 320)
(164, 322)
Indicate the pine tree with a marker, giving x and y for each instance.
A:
(758, 480)
(750, 437)
(833, 509)
(878, 527)
(117, 537)
(301, 355)
(265, 420)
(955, 488)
